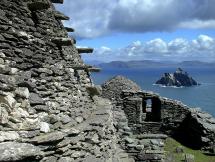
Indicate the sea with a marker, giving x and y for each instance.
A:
(202, 96)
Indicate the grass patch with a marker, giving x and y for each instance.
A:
(170, 148)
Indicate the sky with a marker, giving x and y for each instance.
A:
(161, 30)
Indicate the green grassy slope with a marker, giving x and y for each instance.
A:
(170, 148)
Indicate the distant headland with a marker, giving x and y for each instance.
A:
(153, 64)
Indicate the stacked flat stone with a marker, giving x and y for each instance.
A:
(133, 137)
(113, 88)
(46, 110)
(141, 134)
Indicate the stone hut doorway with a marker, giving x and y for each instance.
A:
(151, 109)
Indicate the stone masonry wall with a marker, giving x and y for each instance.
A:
(133, 110)
(190, 126)
(46, 112)
(173, 114)
(37, 75)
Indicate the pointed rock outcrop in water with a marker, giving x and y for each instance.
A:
(179, 78)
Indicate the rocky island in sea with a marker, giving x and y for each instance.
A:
(179, 78)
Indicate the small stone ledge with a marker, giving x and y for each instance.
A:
(87, 68)
(94, 69)
(85, 50)
(63, 41)
(60, 16)
(57, 1)
(68, 29)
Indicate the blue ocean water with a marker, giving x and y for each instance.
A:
(202, 96)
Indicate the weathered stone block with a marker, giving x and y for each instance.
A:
(49, 138)
(44, 127)
(13, 151)
(8, 136)
(4, 69)
(35, 99)
(22, 92)
(63, 41)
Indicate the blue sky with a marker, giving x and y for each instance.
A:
(143, 29)
(117, 40)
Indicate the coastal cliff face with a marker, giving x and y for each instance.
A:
(178, 79)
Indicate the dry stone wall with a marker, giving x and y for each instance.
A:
(173, 114)
(147, 125)
(191, 126)
(37, 73)
(47, 110)
(135, 136)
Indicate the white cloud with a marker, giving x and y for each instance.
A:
(102, 51)
(137, 43)
(202, 48)
(156, 46)
(179, 45)
(204, 42)
(99, 17)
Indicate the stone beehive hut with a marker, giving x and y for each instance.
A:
(46, 112)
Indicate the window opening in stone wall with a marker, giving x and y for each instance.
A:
(151, 109)
(148, 106)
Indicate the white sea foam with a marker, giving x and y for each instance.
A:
(164, 86)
